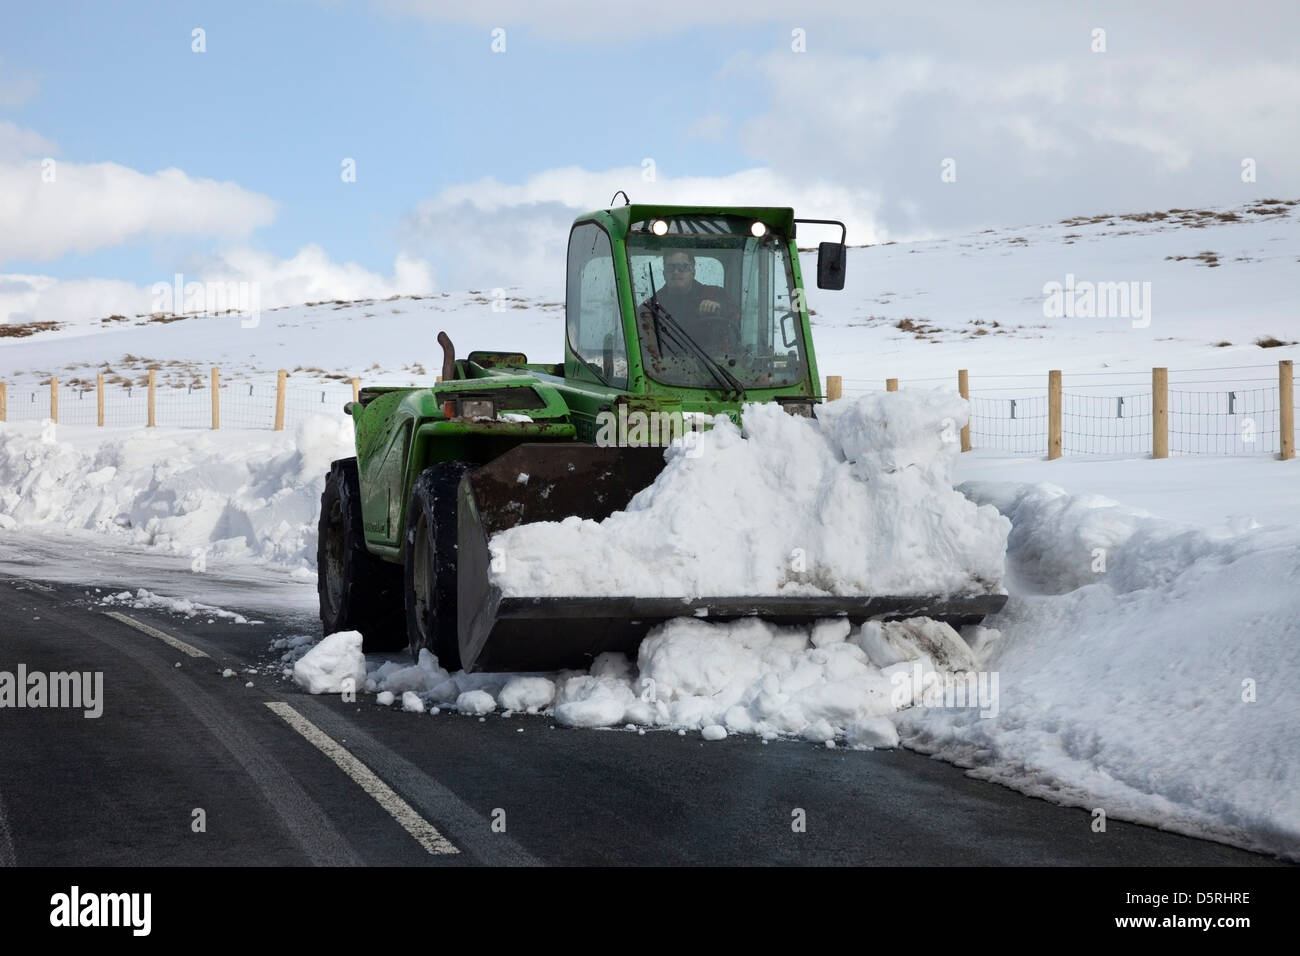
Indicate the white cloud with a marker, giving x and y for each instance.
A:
(310, 276)
(1033, 138)
(1040, 125)
(491, 233)
(584, 19)
(307, 276)
(90, 206)
(17, 143)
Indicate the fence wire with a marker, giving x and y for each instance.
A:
(1017, 425)
(1105, 425)
(1223, 422)
(243, 405)
(1226, 421)
(1239, 422)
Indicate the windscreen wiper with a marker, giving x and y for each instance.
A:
(683, 342)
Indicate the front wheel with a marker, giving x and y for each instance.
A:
(430, 569)
(357, 591)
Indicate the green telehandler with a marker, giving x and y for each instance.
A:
(671, 311)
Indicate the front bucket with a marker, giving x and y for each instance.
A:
(499, 633)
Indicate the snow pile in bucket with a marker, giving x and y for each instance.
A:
(859, 501)
(206, 493)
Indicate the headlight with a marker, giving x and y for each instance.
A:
(476, 408)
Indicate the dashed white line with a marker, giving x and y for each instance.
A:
(175, 642)
(424, 832)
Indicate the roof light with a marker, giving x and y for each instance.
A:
(759, 230)
(659, 227)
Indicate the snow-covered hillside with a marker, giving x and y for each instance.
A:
(1219, 281)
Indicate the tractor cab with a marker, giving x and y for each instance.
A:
(675, 300)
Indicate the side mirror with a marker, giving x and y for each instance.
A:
(831, 259)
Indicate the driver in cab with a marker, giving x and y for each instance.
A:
(698, 307)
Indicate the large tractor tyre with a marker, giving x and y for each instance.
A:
(431, 541)
(358, 591)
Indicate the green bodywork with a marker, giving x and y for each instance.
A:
(402, 431)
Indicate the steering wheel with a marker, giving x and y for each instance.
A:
(724, 325)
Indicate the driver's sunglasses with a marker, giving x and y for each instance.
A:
(679, 267)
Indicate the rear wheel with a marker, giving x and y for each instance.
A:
(357, 591)
(430, 570)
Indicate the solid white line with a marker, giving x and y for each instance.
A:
(175, 642)
(423, 831)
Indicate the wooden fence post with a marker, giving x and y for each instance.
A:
(4, 403)
(1054, 414)
(216, 398)
(152, 390)
(891, 384)
(356, 390)
(99, 399)
(280, 378)
(1160, 413)
(54, 399)
(834, 388)
(1286, 408)
(963, 387)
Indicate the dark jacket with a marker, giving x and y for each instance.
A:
(712, 331)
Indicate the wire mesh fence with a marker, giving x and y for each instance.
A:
(1245, 422)
(243, 405)
(1226, 420)
(1116, 413)
(1105, 425)
(1016, 425)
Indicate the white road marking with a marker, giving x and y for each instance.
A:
(175, 642)
(424, 832)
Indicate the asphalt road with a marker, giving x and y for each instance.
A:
(281, 777)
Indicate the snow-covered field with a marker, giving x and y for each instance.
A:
(973, 301)
(1143, 664)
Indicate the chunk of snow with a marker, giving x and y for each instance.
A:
(334, 665)
(475, 702)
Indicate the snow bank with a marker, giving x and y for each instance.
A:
(206, 494)
(858, 501)
(1142, 666)
(1147, 668)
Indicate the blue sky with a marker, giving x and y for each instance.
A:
(471, 163)
(286, 90)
